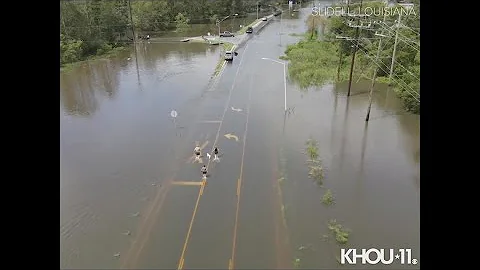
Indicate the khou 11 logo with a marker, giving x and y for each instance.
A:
(374, 256)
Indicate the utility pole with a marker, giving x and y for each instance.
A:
(370, 95)
(395, 46)
(131, 22)
(354, 51)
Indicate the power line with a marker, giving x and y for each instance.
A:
(384, 65)
(405, 39)
(409, 72)
(394, 79)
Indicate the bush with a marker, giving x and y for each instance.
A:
(70, 50)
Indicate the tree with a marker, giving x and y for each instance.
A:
(182, 22)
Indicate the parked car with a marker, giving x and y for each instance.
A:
(228, 56)
(249, 30)
(264, 19)
(227, 34)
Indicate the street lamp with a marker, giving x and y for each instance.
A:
(284, 77)
(219, 21)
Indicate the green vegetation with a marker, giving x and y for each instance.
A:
(227, 46)
(95, 27)
(296, 263)
(327, 198)
(341, 234)
(219, 66)
(244, 29)
(181, 22)
(314, 164)
(315, 62)
(68, 66)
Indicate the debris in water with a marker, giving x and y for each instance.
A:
(116, 255)
(302, 247)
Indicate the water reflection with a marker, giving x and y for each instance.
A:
(80, 86)
(77, 93)
(364, 144)
(344, 133)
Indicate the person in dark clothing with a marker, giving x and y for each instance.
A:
(215, 152)
(204, 171)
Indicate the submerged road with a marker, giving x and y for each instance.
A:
(232, 219)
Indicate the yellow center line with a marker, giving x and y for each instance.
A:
(200, 193)
(187, 183)
(239, 182)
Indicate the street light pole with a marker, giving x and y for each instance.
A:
(219, 21)
(284, 79)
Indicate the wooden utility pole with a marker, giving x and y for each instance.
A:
(370, 95)
(354, 51)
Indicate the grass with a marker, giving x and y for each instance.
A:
(244, 29)
(227, 46)
(315, 165)
(314, 63)
(296, 263)
(219, 66)
(341, 234)
(327, 198)
(68, 67)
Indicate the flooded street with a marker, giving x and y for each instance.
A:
(120, 148)
(116, 136)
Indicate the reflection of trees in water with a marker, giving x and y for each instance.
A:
(77, 93)
(107, 77)
(150, 53)
(386, 100)
(79, 85)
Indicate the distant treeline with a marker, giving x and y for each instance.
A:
(92, 27)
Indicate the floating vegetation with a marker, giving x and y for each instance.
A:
(327, 198)
(315, 165)
(316, 173)
(312, 149)
(307, 247)
(341, 234)
(296, 263)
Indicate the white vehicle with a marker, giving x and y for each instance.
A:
(229, 55)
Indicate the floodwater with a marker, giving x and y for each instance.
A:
(111, 118)
(117, 139)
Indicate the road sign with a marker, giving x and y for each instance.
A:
(173, 113)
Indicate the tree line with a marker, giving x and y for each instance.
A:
(93, 27)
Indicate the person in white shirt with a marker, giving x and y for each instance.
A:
(197, 150)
